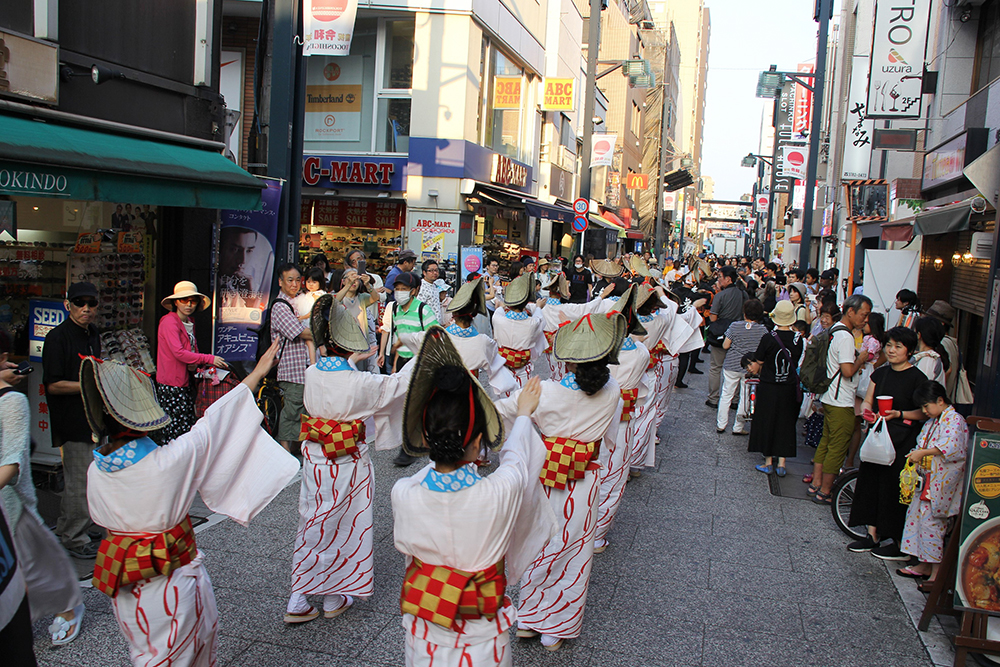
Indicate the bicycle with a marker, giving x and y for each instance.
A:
(843, 499)
(270, 400)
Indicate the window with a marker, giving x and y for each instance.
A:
(506, 127)
(567, 137)
(987, 46)
(361, 102)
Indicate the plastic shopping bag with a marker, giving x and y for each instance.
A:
(877, 447)
(749, 398)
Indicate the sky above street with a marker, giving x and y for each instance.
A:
(748, 36)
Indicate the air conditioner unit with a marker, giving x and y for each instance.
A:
(982, 245)
(567, 160)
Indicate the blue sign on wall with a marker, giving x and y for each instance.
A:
(45, 315)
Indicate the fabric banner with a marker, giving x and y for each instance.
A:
(327, 27)
(603, 151)
(245, 268)
(333, 100)
(793, 161)
(895, 79)
(860, 128)
(803, 104)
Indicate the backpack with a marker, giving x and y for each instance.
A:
(813, 373)
(420, 314)
(264, 334)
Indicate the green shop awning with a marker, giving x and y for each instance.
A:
(944, 220)
(44, 159)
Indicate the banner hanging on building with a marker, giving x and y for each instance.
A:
(761, 202)
(603, 151)
(860, 128)
(246, 264)
(803, 104)
(793, 161)
(895, 79)
(327, 27)
(558, 95)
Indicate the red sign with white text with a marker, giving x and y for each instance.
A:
(803, 105)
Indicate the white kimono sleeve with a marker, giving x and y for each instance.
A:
(501, 379)
(387, 410)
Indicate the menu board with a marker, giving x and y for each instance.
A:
(979, 536)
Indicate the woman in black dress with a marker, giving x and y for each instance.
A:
(776, 361)
(876, 497)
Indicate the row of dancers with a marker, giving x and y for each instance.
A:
(566, 447)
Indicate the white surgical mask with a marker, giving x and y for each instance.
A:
(578, 265)
(402, 297)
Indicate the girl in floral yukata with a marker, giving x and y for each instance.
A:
(940, 455)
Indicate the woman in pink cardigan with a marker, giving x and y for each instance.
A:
(177, 356)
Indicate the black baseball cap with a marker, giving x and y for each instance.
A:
(829, 274)
(77, 290)
(407, 279)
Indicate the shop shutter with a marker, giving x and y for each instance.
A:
(970, 285)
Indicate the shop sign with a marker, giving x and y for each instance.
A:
(331, 170)
(634, 181)
(333, 100)
(793, 161)
(507, 92)
(508, 172)
(40, 183)
(45, 316)
(858, 144)
(945, 163)
(426, 224)
(895, 78)
(803, 104)
(558, 95)
(356, 213)
(327, 27)
(560, 183)
(762, 202)
(979, 527)
(245, 266)
(29, 68)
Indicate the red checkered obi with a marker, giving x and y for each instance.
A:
(128, 559)
(515, 359)
(656, 354)
(629, 396)
(566, 460)
(337, 438)
(549, 336)
(445, 596)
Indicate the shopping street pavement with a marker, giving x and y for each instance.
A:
(705, 567)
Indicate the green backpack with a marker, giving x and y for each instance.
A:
(813, 373)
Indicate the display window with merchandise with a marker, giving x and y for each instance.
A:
(335, 227)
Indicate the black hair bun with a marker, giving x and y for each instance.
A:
(451, 379)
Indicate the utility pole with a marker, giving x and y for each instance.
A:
(660, 247)
(590, 92)
(824, 12)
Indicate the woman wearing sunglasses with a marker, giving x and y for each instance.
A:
(177, 355)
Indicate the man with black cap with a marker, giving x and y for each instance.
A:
(828, 279)
(405, 262)
(61, 354)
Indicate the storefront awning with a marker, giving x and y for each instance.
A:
(898, 230)
(45, 159)
(539, 209)
(604, 222)
(608, 215)
(943, 220)
(634, 234)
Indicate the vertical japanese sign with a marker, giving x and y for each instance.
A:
(803, 104)
(859, 127)
(246, 265)
(895, 79)
(333, 100)
(327, 27)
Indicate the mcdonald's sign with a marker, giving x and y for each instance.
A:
(636, 181)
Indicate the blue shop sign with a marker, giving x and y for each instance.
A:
(354, 171)
(44, 316)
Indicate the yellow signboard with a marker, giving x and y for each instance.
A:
(507, 92)
(558, 95)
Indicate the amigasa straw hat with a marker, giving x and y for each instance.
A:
(606, 269)
(519, 291)
(123, 392)
(470, 297)
(436, 351)
(638, 266)
(183, 289)
(589, 338)
(330, 321)
(626, 305)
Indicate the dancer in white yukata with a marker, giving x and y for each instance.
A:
(631, 376)
(467, 532)
(149, 564)
(479, 352)
(345, 410)
(519, 333)
(574, 416)
(557, 310)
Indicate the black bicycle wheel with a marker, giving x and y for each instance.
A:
(270, 408)
(843, 498)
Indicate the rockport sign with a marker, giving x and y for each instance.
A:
(508, 172)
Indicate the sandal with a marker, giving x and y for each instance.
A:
(807, 479)
(780, 471)
(766, 469)
(823, 498)
(63, 631)
(301, 616)
(812, 490)
(910, 573)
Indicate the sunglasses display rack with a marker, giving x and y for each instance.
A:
(129, 346)
(120, 279)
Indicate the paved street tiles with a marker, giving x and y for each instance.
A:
(705, 568)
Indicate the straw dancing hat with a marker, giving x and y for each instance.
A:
(590, 338)
(638, 266)
(437, 351)
(519, 291)
(121, 391)
(560, 286)
(626, 305)
(330, 322)
(783, 314)
(606, 269)
(643, 293)
(186, 288)
(470, 297)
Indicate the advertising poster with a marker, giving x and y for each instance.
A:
(603, 150)
(44, 316)
(333, 100)
(470, 261)
(432, 245)
(895, 79)
(327, 27)
(979, 526)
(246, 265)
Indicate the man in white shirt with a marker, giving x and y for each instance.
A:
(429, 292)
(842, 366)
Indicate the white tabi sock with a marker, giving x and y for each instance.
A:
(333, 602)
(297, 604)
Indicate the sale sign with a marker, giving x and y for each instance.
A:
(327, 27)
(507, 92)
(558, 95)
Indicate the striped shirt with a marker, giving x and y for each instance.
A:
(397, 321)
(745, 337)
